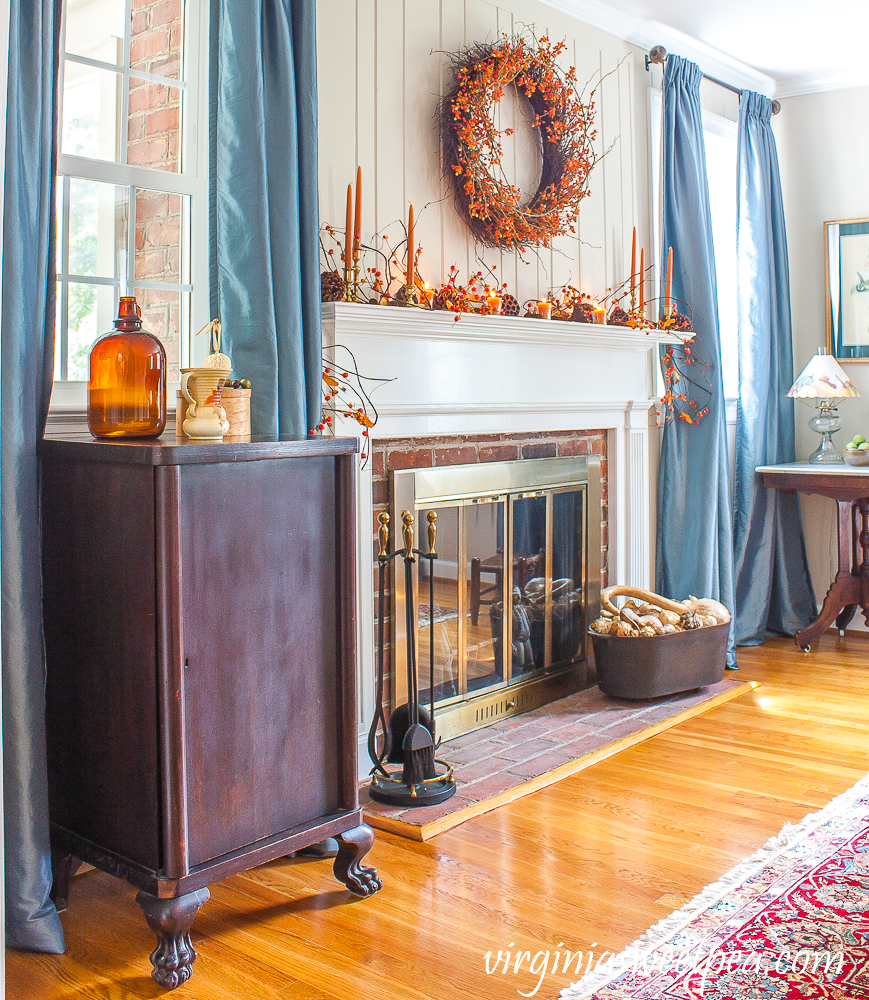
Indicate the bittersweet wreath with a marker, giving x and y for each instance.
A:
(492, 207)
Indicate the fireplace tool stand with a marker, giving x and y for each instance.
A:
(408, 738)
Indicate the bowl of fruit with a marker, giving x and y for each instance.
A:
(857, 451)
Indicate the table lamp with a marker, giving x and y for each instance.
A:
(824, 381)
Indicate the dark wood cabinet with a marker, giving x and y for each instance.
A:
(200, 636)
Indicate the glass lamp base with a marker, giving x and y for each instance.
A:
(825, 453)
(826, 423)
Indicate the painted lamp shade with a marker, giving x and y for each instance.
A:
(822, 377)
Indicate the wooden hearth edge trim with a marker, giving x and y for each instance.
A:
(429, 830)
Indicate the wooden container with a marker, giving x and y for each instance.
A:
(236, 402)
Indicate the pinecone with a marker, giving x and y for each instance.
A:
(332, 287)
(509, 305)
(583, 312)
(443, 298)
(681, 323)
(618, 317)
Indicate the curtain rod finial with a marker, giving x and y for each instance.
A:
(776, 107)
(657, 54)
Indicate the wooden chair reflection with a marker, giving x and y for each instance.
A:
(525, 567)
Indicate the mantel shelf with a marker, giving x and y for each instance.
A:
(424, 324)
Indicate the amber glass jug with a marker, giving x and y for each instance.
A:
(127, 383)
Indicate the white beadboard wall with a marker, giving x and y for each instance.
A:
(383, 65)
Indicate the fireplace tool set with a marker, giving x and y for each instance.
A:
(408, 738)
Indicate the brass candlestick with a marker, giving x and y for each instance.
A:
(412, 297)
(351, 283)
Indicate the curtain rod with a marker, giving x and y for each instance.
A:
(658, 54)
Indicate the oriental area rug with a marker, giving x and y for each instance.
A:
(790, 923)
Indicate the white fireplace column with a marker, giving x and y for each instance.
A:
(497, 374)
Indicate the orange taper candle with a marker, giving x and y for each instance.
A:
(669, 281)
(348, 235)
(634, 262)
(357, 218)
(642, 302)
(411, 249)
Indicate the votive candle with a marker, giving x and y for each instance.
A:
(544, 309)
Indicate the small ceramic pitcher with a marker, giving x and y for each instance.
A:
(206, 418)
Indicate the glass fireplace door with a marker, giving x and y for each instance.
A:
(511, 586)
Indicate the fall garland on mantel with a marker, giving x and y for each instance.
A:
(492, 207)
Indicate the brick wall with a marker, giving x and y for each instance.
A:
(390, 454)
(154, 133)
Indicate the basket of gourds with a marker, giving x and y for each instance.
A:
(652, 646)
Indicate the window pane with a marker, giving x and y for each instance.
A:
(163, 314)
(58, 234)
(92, 309)
(154, 127)
(95, 28)
(58, 330)
(97, 228)
(721, 174)
(91, 98)
(155, 37)
(158, 236)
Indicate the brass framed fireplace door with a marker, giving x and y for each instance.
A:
(540, 519)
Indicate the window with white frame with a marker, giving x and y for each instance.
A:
(132, 178)
(720, 139)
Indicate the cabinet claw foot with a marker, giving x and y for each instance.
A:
(348, 868)
(170, 920)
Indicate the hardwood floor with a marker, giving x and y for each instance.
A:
(591, 862)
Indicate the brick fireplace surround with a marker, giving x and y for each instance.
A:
(391, 454)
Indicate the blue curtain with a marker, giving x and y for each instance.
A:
(773, 587)
(264, 232)
(695, 539)
(27, 362)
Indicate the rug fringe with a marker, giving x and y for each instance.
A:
(789, 835)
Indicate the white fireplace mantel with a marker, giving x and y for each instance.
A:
(495, 374)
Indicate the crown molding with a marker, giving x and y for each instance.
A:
(646, 34)
(800, 86)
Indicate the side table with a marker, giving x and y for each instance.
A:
(849, 486)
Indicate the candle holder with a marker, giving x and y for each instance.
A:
(351, 284)
(411, 298)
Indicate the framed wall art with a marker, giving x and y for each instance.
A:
(846, 253)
